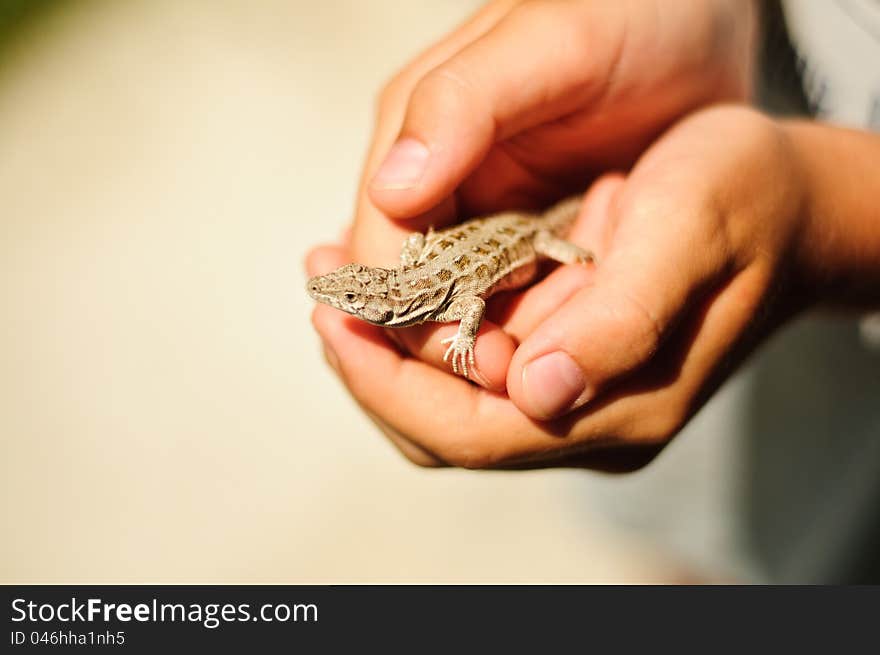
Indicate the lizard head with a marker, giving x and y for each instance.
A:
(358, 290)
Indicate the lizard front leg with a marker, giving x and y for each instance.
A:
(412, 248)
(469, 311)
(559, 250)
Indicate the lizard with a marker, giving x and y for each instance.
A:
(447, 275)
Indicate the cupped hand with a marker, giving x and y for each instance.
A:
(700, 249)
(527, 102)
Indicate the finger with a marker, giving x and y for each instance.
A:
(325, 258)
(493, 350)
(519, 314)
(417, 455)
(410, 450)
(632, 422)
(658, 265)
(457, 422)
(376, 239)
(460, 108)
(345, 236)
(393, 99)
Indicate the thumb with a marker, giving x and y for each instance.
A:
(657, 268)
(492, 90)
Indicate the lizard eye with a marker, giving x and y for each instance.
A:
(350, 297)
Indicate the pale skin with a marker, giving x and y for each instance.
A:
(720, 228)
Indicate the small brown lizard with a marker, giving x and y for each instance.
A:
(447, 275)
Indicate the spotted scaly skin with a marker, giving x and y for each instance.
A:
(447, 275)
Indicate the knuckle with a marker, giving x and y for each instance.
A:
(468, 455)
(532, 10)
(450, 94)
(742, 116)
(390, 94)
(445, 87)
(420, 460)
(660, 426)
(643, 206)
(471, 460)
(405, 445)
(474, 462)
(568, 22)
(748, 131)
(637, 319)
(645, 424)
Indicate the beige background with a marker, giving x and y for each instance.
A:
(164, 411)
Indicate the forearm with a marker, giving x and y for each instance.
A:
(840, 244)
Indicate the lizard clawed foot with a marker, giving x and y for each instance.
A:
(461, 349)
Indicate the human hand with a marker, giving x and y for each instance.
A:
(527, 102)
(704, 247)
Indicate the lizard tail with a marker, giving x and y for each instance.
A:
(560, 217)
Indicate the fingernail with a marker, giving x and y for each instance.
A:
(554, 384)
(403, 167)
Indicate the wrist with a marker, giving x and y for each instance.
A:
(838, 244)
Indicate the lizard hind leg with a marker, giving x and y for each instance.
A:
(552, 247)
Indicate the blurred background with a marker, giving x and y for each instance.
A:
(165, 413)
